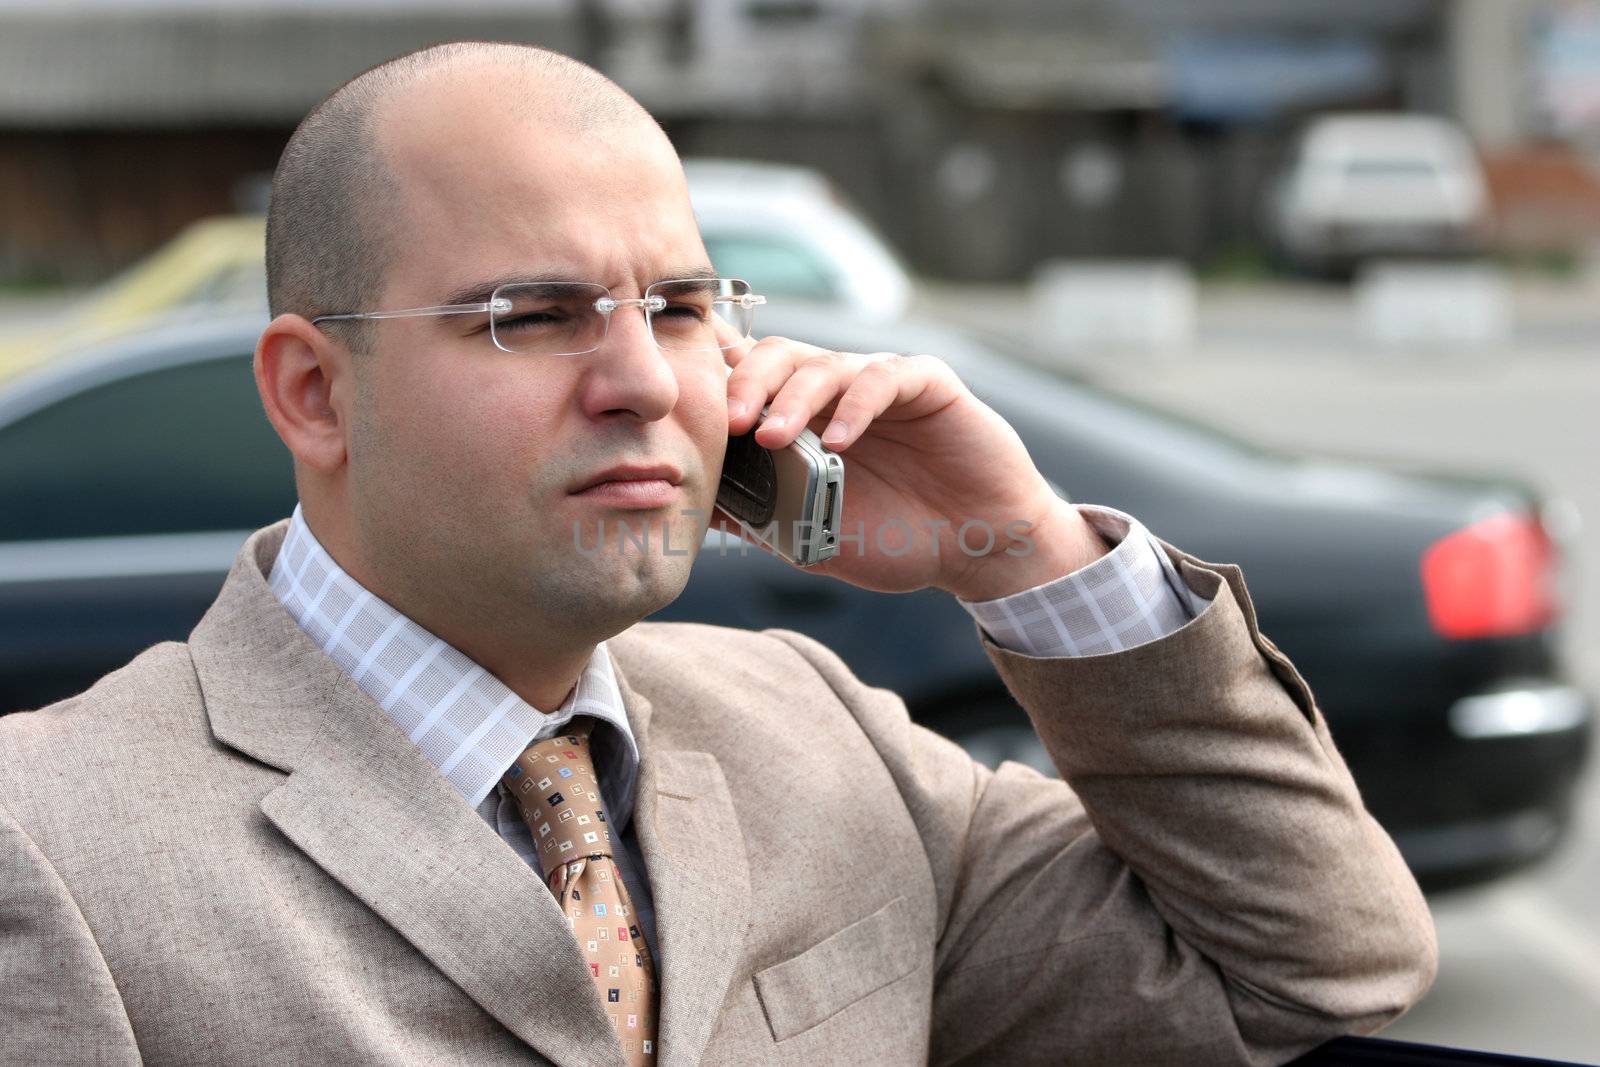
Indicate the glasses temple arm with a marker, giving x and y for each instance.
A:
(409, 313)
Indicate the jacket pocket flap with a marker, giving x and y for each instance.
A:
(828, 977)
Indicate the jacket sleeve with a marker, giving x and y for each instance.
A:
(58, 1003)
(1204, 887)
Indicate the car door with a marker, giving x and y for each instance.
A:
(124, 494)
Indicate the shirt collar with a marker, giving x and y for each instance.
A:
(464, 719)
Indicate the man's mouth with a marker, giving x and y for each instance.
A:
(632, 485)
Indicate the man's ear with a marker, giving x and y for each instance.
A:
(307, 385)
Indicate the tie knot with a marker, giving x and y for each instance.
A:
(558, 793)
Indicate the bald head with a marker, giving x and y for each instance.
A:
(332, 221)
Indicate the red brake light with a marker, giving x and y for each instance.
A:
(1496, 578)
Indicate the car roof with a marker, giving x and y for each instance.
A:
(198, 336)
(1394, 132)
(710, 176)
(163, 342)
(1061, 415)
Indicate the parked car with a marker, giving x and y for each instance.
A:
(1419, 608)
(215, 262)
(1375, 184)
(788, 230)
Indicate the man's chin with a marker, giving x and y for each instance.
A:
(628, 588)
(617, 572)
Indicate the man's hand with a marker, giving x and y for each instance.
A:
(924, 457)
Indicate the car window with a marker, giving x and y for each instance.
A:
(121, 458)
(774, 268)
(1390, 168)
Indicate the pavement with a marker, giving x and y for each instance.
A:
(1291, 366)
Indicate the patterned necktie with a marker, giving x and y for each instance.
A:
(556, 790)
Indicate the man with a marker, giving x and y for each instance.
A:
(310, 834)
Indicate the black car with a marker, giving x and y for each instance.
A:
(1420, 608)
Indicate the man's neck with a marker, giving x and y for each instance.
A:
(543, 683)
(515, 649)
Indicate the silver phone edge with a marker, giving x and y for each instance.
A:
(816, 506)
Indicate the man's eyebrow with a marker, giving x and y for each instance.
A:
(480, 292)
(687, 273)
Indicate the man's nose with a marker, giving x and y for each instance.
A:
(629, 374)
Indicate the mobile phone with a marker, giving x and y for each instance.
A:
(790, 499)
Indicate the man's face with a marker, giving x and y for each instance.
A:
(465, 460)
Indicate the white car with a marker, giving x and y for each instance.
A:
(1365, 185)
(787, 231)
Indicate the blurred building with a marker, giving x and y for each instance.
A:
(984, 135)
(122, 120)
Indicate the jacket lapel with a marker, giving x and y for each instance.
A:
(364, 803)
(699, 877)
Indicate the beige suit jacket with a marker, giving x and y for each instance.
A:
(225, 853)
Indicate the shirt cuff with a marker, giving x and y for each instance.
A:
(1129, 597)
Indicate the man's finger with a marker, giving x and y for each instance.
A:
(734, 344)
(763, 368)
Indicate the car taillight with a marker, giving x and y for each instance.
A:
(1496, 578)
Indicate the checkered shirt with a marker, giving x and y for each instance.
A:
(472, 727)
(1129, 597)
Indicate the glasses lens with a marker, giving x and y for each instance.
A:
(688, 322)
(551, 318)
